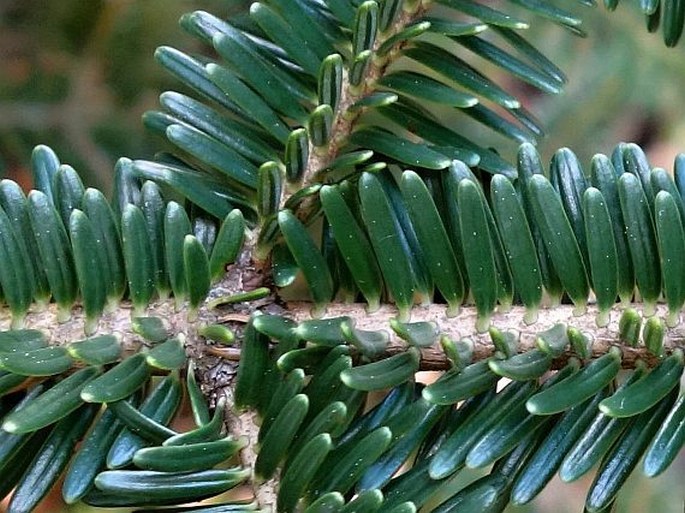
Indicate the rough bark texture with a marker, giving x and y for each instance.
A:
(464, 325)
(214, 359)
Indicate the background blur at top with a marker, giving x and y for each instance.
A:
(78, 74)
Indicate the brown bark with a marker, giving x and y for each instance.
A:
(463, 326)
(433, 358)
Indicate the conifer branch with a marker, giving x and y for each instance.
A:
(463, 326)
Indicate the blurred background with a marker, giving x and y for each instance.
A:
(77, 75)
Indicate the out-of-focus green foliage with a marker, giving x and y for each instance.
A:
(78, 75)
(623, 85)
